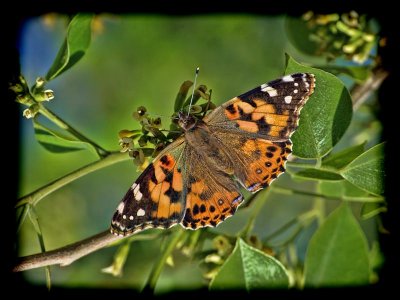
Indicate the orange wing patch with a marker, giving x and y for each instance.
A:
(266, 162)
(259, 116)
(205, 207)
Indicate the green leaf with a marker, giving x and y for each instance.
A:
(56, 142)
(181, 96)
(325, 117)
(367, 170)
(317, 174)
(74, 47)
(337, 254)
(249, 268)
(344, 157)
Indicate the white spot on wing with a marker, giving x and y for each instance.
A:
(270, 90)
(140, 212)
(306, 83)
(295, 91)
(287, 78)
(131, 218)
(136, 192)
(120, 207)
(288, 99)
(124, 217)
(296, 84)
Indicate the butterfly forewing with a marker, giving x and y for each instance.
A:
(156, 198)
(270, 111)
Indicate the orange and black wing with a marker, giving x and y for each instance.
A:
(155, 200)
(255, 127)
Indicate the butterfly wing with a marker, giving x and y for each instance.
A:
(270, 111)
(177, 187)
(155, 200)
(211, 195)
(256, 126)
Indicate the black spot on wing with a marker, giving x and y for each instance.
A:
(244, 116)
(173, 195)
(263, 126)
(195, 209)
(231, 108)
(165, 160)
(252, 103)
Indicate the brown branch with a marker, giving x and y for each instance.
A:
(361, 92)
(65, 255)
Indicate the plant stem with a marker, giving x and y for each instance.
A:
(360, 93)
(63, 125)
(288, 191)
(296, 164)
(159, 265)
(34, 197)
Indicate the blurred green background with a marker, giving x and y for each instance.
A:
(139, 60)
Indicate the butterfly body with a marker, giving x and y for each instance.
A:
(195, 181)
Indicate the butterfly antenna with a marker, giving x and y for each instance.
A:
(194, 87)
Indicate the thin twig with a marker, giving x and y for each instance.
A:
(65, 255)
(43, 191)
(64, 125)
(370, 199)
(361, 92)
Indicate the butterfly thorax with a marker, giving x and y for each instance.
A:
(199, 136)
(186, 121)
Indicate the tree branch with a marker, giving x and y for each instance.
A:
(65, 255)
(360, 93)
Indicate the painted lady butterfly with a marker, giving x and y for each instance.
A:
(194, 180)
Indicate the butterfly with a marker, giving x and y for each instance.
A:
(195, 181)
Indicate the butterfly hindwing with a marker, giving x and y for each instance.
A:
(258, 161)
(211, 195)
